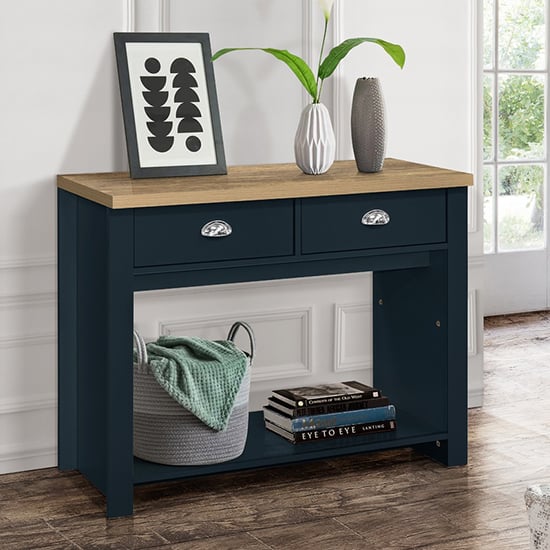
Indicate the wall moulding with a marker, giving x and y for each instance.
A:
(27, 263)
(343, 359)
(472, 322)
(28, 404)
(148, 15)
(28, 300)
(46, 339)
(26, 452)
(300, 317)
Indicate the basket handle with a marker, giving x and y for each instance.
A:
(233, 331)
(141, 348)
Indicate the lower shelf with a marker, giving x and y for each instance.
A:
(264, 448)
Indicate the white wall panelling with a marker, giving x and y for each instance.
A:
(339, 116)
(129, 16)
(76, 126)
(34, 277)
(35, 403)
(476, 289)
(26, 456)
(353, 337)
(472, 324)
(63, 114)
(294, 322)
(149, 15)
(284, 338)
(28, 428)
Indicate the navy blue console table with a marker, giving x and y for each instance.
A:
(406, 224)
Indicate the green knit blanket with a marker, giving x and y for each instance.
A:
(204, 376)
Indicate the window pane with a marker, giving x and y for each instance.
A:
(488, 34)
(521, 117)
(488, 210)
(488, 117)
(521, 34)
(520, 207)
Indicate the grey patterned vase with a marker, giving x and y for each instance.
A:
(368, 125)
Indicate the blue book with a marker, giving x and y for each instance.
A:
(331, 420)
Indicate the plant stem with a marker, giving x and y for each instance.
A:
(316, 100)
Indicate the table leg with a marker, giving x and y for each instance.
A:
(66, 330)
(104, 333)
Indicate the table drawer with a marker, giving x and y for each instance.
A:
(174, 235)
(331, 224)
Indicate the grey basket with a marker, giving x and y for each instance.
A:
(167, 433)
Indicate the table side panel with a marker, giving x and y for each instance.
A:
(104, 321)
(410, 342)
(67, 348)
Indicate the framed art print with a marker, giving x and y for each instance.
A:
(169, 104)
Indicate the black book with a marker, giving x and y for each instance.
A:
(321, 394)
(328, 408)
(326, 434)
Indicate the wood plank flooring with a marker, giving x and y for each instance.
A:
(381, 501)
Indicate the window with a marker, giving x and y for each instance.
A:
(515, 83)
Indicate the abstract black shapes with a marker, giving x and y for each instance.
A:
(152, 65)
(193, 143)
(184, 81)
(160, 141)
(188, 123)
(186, 95)
(157, 114)
(156, 99)
(153, 83)
(187, 110)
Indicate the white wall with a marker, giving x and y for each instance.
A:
(61, 114)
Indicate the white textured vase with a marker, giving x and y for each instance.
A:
(314, 144)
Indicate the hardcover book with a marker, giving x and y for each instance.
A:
(320, 421)
(306, 396)
(333, 433)
(326, 408)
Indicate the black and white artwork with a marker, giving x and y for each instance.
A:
(169, 104)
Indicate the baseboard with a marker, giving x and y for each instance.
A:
(17, 458)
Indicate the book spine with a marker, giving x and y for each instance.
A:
(342, 407)
(362, 416)
(345, 431)
(369, 394)
(339, 407)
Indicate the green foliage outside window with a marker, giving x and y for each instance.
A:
(520, 115)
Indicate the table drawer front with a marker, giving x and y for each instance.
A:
(332, 224)
(174, 235)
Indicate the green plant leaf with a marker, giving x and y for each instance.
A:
(339, 52)
(296, 64)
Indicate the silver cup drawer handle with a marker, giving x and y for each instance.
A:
(375, 217)
(216, 228)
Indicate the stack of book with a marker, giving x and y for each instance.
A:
(328, 411)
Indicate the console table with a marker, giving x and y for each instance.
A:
(406, 224)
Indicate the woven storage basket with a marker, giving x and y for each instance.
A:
(167, 433)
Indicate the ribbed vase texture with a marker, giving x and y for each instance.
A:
(314, 144)
(368, 125)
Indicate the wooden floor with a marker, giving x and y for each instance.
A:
(381, 501)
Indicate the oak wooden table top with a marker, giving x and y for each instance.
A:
(257, 182)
